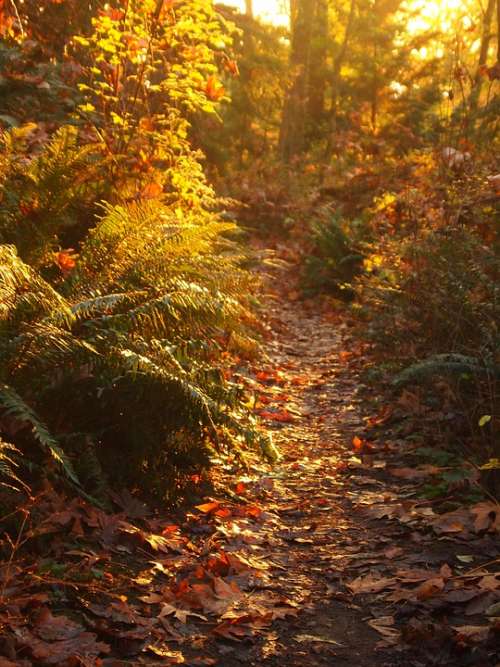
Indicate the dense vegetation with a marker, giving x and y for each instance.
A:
(121, 284)
(367, 136)
(384, 179)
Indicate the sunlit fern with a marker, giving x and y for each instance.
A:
(41, 195)
(125, 351)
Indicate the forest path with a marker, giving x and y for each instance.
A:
(313, 410)
(380, 575)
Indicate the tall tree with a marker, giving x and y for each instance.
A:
(293, 126)
(498, 31)
(317, 66)
(338, 61)
(486, 35)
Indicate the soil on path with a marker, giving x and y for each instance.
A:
(310, 490)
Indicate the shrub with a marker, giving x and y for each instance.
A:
(115, 315)
(120, 374)
(431, 300)
(333, 261)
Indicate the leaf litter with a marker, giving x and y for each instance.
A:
(329, 554)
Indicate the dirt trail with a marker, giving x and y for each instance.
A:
(310, 490)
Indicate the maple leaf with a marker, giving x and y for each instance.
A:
(66, 651)
(180, 614)
(53, 628)
(65, 261)
(232, 630)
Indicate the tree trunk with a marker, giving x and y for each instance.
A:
(249, 8)
(247, 30)
(245, 132)
(335, 81)
(483, 53)
(498, 32)
(374, 90)
(317, 67)
(294, 121)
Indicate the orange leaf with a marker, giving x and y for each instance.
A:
(213, 89)
(152, 191)
(65, 262)
(232, 67)
(297, 381)
(240, 487)
(357, 443)
(284, 416)
(208, 508)
(429, 588)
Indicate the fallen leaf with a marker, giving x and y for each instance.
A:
(487, 517)
(55, 628)
(384, 625)
(429, 589)
(370, 584)
(302, 639)
(171, 657)
(181, 614)
(472, 633)
(208, 508)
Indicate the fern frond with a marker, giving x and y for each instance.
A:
(106, 304)
(196, 400)
(17, 407)
(44, 347)
(8, 465)
(24, 295)
(41, 194)
(447, 365)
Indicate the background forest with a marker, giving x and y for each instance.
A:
(142, 138)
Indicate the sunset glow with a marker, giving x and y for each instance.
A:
(428, 14)
(434, 14)
(272, 11)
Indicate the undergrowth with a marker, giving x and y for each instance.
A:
(121, 287)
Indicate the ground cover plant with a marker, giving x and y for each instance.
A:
(249, 333)
(120, 283)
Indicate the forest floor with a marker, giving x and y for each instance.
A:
(327, 557)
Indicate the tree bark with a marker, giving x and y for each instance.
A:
(335, 81)
(498, 31)
(294, 121)
(249, 8)
(317, 67)
(483, 52)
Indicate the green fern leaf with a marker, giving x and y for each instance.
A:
(15, 406)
